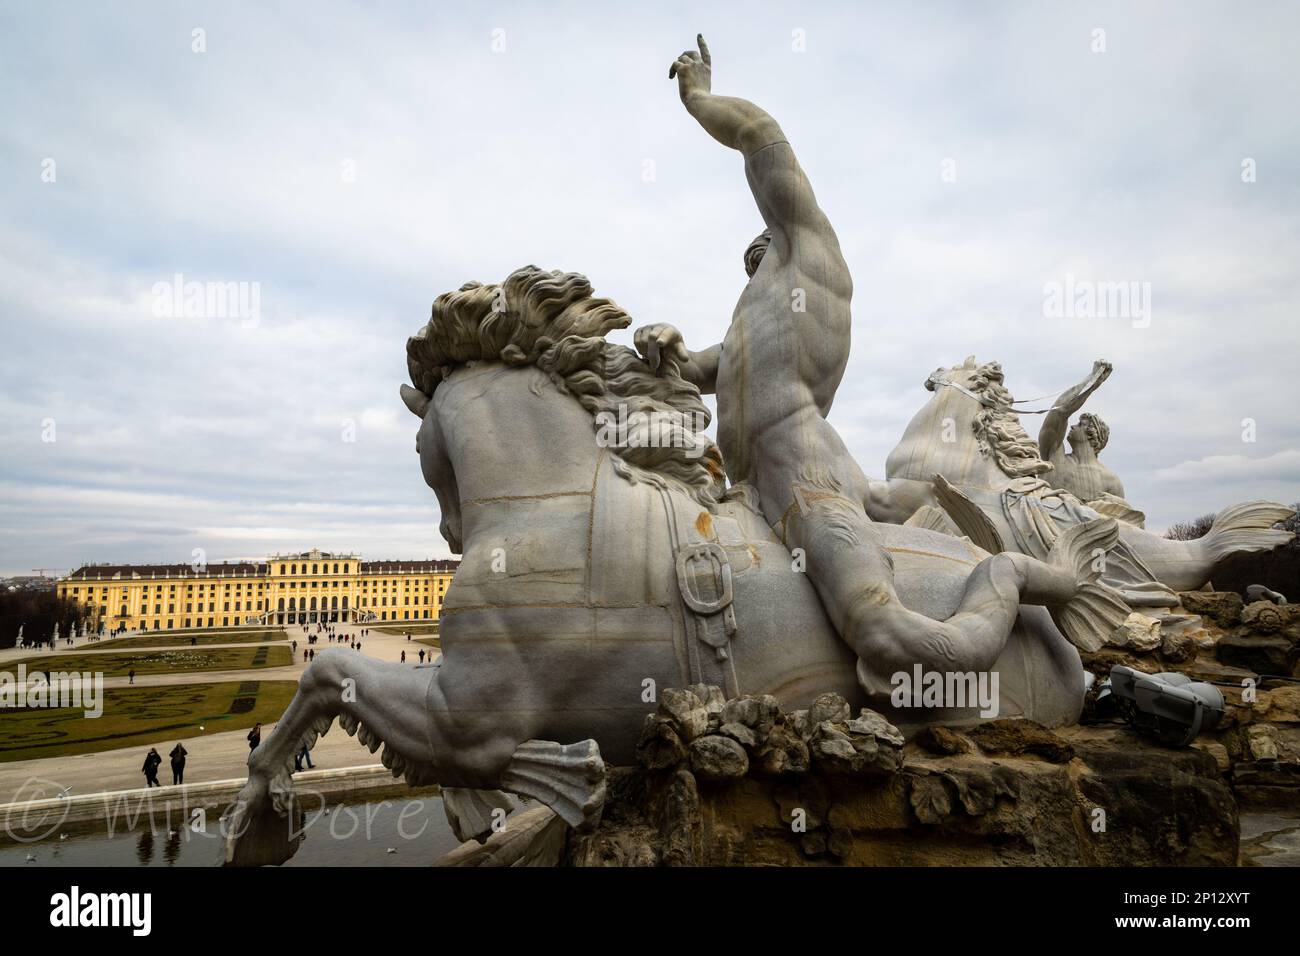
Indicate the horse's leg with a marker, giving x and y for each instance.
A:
(402, 709)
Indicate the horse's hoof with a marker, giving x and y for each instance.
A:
(255, 833)
(568, 778)
(471, 813)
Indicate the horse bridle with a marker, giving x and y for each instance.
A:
(989, 403)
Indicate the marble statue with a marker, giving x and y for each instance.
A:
(967, 455)
(597, 569)
(1080, 471)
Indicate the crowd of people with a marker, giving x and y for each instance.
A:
(153, 760)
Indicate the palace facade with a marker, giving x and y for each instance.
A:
(299, 588)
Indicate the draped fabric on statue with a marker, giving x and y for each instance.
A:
(1039, 514)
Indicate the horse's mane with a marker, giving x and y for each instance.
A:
(552, 320)
(997, 428)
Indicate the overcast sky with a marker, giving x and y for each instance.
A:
(356, 160)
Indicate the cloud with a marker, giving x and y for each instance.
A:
(357, 162)
(1283, 466)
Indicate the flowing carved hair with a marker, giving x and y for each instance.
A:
(552, 320)
(998, 429)
(1098, 432)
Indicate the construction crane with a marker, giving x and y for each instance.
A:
(41, 571)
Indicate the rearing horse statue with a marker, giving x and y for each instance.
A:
(966, 452)
(604, 557)
(594, 569)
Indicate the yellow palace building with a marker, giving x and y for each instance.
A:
(299, 588)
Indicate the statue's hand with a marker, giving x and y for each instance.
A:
(654, 341)
(1101, 370)
(694, 71)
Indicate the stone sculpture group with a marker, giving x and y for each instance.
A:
(594, 575)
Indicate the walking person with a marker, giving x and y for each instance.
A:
(178, 755)
(254, 736)
(300, 756)
(403, 657)
(131, 676)
(150, 768)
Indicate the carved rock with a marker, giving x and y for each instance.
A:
(1223, 608)
(714, 757)
(687, 713)
(1021, 737)
(1179, 646)
(942, 740)
(659, 747)
(1259, 654)
(1024, 796)
(1138, 633)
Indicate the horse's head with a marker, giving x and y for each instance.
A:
(550, 326)
(980, 382)
(435, 465)
(971, 404)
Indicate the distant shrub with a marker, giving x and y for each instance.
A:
(1191, 530)
(1278, 569)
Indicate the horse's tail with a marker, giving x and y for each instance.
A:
(1246, 527)
(1095, 609)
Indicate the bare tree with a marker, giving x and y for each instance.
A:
(1190, 530)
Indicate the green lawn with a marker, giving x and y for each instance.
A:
(144, 717)
(183, 638)
(413, 629)
(160, 662)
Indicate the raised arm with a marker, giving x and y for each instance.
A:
(784, 196)
(1056, 423)
(733, 122)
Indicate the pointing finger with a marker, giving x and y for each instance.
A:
(704, 49)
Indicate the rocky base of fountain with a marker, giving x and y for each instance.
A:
(744, 783)
(1005, 793)
(1257, 744)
